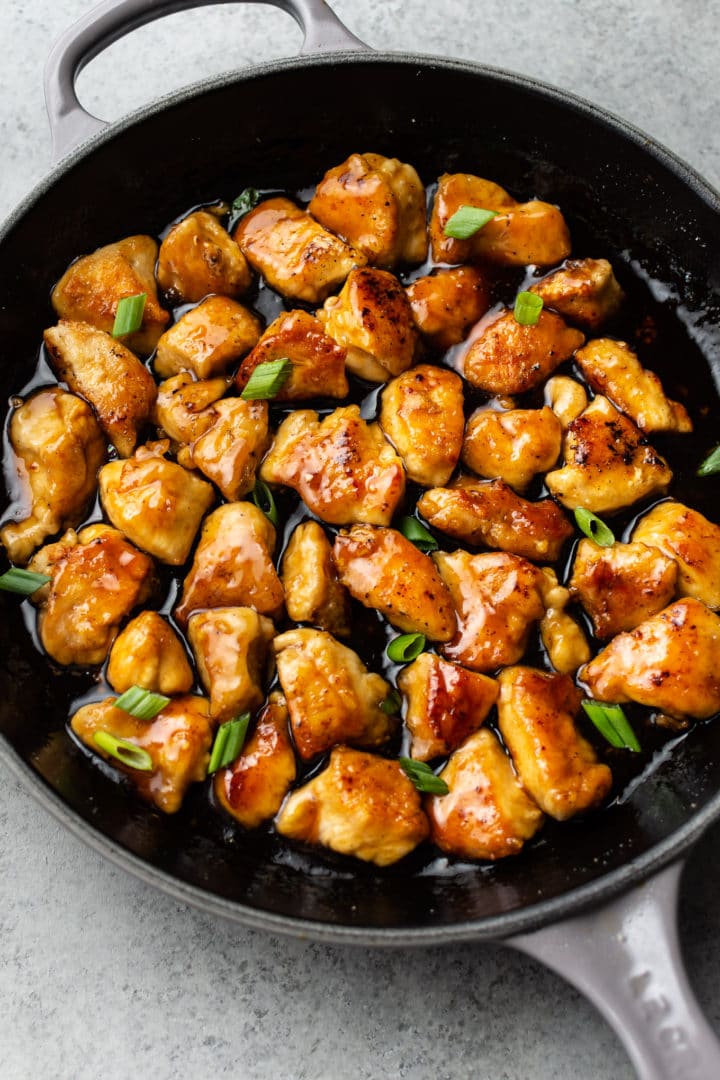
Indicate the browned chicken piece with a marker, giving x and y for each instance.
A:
(253, 787)
(91, 288)
(230, 449)
(512, 446)
(565, 642)
(609, 463)
(447, 303)
(296, 256)
(387, 573)
(344, 469)
(509, 358)
(422, 416)
(583, 291)
(566, 397)
(197, 257)
(490, 514)
(556, 765)
(331, 695)
(372, 320)
(97, 580)
(487, 814)
(377, 204)
(613, 369)
(446, 703)
(685, 535)
(181, 410)
(497, 598)
(149, 653)
(669, 662)
(360, 805)
(121, 391)
(178, 741)
(156, 503)
(318, 362)
(462, 189)
(231, 646)
(208, 339)
(233, 564)
(313, 592)
(619, 586)
(58, 448)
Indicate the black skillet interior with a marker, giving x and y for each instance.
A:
(282, 127)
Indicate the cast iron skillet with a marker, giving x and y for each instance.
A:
(286, 123)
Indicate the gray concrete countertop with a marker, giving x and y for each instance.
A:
(102, 978)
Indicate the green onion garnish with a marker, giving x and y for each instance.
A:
(129, 315)
(228, 742)
(267, 380)
(527, 308)
(613, 724)
(263, 498)
(392, 702)
(423, 777)
(405, 648)
(412, 530)
(468, 220)
(711, 464)
(24, 582)
(245, 201)
(127, 753)
(140, 703)
(594, 528)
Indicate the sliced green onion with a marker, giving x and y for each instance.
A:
(594, 528)
(264, 499)
(392, 702)
(140, 703)
(613, 724)
(127, 753)
(24, 582)
(405, 648)
(412, 530)
(267, 380)
(129, 315)
(527, 308)
(468, 220)
(245, 201)
(711, 464)
(228, 742)
(423, 777)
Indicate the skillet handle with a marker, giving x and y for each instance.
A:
(71, 124)
(625, 957)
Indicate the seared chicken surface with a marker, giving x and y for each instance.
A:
(512, 446)
(228, 452)
(447, 303)
(181, 408)
(148, 653)
(685, 535)
(583, 291)
(422, 416)
(198, 257)
(208, 339)
(313, 591)
(231, 647)
(509, 358)
(318, 362)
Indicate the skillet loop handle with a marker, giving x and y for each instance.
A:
(625, 957)
(71, 124)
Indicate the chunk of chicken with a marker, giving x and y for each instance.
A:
(685, 535)
(513, 446)
(208, 339)
(91, 288)
(293, 252)
(609, 463)
(331, 695)
(556, 765)
(613, 369)
(565, 643)
(372, 320)
(58, 448)
(198, 257)
(566, 397)
(446, 703)
(509, 358)
(343, 469)
(230, 449)
(669, 662)
(583, 291)
(231, 647)
(453, 191)
(360, 805)
(422, 416)
(100, 369)
(318, 362)
(181, 410)
(377, 204)
(313, 592)
(386, 572)
(149, 653)
(447, 303)
(487, 814)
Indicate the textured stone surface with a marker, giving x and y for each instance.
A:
(102, 978)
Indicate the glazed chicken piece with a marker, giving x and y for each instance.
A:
(343, 469)
(669, 663)
(181, 409)
(156, 503)
(377, 204)
(121, 391)
(360, 805)
(512, 446)
(509, 358)
(208, 339)
(178, 741)
(372, 320)
(296, 256)
(490, 514)
(91, 288)
(313, 592)
(556, 765)
(446, 703)
(97, 580)
(685, 535)
(619, 586)
(487, 814)
(230, 449)
(613, 369)
(198, 257)
(58, 448)
(331, 695)
(566, 397)
(253, 787)
(233, 564)
(422, 416)
(149, 653)
(609, 463)
(565, 643)
(387, 573)
(447, 303)
(318, 362)
(231, 646)
(583, 291)
(453, 191)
